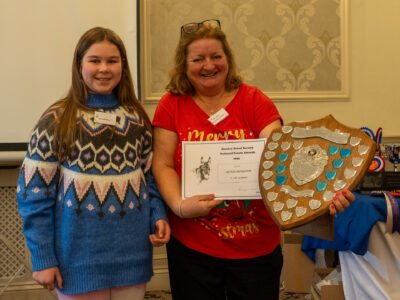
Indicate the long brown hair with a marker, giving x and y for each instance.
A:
(179, 83)
(65, 127)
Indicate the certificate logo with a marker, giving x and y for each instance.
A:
(203, 170)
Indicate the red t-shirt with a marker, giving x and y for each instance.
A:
(234, 229)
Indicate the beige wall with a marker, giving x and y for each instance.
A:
(37, 51)
(374, 62)
(37, 44)
(374, 71)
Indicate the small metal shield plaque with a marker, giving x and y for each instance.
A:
(304, 164)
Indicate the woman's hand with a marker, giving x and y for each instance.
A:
(341, 201)
(161, 235)
(47, 277)
(197, 206)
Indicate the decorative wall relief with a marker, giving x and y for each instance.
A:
(291, 49)
(305, 163)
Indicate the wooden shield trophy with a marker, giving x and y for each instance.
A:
(304, 164)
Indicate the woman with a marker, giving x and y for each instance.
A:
(218, 250)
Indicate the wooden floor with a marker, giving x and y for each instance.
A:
(166, 295)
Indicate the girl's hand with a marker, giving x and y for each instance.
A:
(197, 206)
(161, 235)
(341, 201)
(47, 277)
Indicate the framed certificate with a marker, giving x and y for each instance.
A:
(228, 169)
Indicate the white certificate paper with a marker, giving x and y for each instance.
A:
(228, 169)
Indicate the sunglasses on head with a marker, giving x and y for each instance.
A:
(193, 27)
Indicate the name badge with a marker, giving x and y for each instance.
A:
(105, 118)
(218, 116)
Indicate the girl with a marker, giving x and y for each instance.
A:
(90, 208)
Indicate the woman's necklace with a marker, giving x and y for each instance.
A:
(211, 105)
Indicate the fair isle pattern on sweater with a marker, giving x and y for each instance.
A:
(92, 214)
(122, 161)
(81, 184)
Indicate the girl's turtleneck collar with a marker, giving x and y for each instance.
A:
(102, 101)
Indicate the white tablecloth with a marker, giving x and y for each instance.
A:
(376, 274)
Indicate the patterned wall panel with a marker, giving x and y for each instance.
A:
(291, 49)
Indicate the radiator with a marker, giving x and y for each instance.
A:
(15, 271)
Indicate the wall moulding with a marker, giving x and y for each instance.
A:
(291, 50)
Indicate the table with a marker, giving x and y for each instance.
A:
(369, 256)
(376, 274)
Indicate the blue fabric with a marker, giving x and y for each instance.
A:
(352, 227)
(92, 214)
(102, 101)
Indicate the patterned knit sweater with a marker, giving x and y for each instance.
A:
(91, 215)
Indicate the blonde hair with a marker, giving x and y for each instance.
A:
(179, 83)
(65, 126)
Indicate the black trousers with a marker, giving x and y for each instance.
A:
(196, 276)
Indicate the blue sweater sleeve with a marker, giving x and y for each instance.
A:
(158, 210)
(36, 196)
